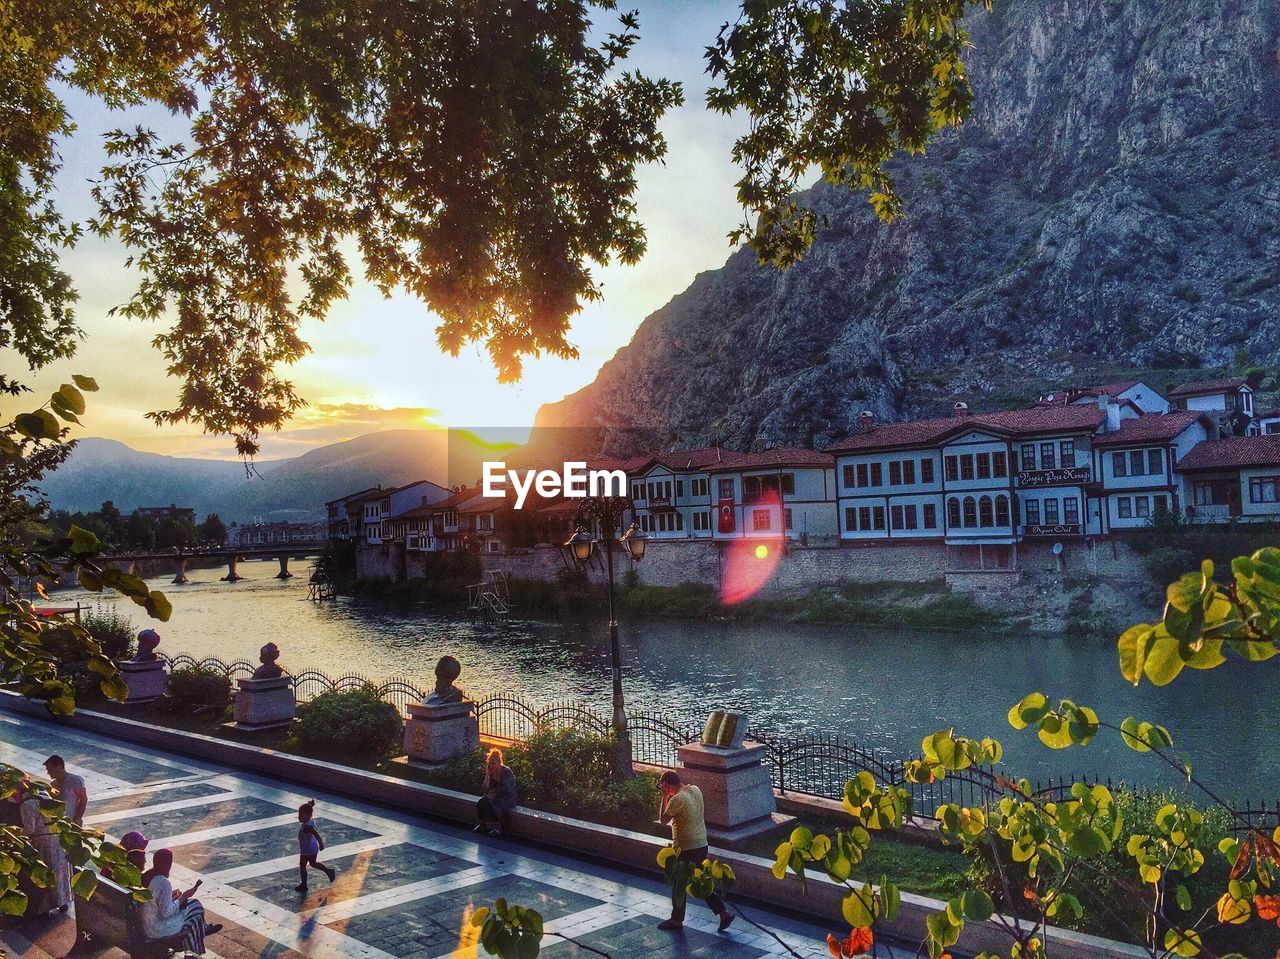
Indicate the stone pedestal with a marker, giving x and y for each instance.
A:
(264, 703)
(147, 679)
(737, 793)
(436, 732)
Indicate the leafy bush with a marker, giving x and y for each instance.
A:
(112, 630)
(198, 689)
(568, 772)
(351, 724)
(1170, 546)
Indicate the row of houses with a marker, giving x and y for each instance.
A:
(1079, 463)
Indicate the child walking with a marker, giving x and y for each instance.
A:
(310, 843)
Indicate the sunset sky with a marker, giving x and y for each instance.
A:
(374, 363)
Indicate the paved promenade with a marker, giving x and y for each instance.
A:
(406, 885)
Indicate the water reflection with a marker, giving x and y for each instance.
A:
(886, 688)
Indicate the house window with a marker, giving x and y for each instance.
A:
(986, 515)
(877, 517)
(701, 520)
(953, 512)
(1071, 511)
(909, 472)
(761, 522)
(699, 487)
(1047, 461)
(862, 475)
(1143, 503)
(877, 475)
(970, 511)
(850, 519)
(1137, 463)
(786, 518)
(930, 515)
(966, 466)
(1028, 457)
(895, 517)
(1202, 494)
(1067, 453)
(637, 491)
(1246, 398)
(679, 488)
(725, 488)
(1124, 507)
(895, 473)
(952, 468)
(1155, 464)
(1032, 508)
(846, 476)
(1159, 503)
(984, 466)
(864, 517)
(1119, 464)
(1051, 512)
(1264, 489)
(1002, 510)
(926, 470)
(999, 466)
(679, 521)
(910, 511)
(788, 484)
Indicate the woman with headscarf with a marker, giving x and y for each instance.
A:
(171, 913)
(57, 895)
(498, 795)
(134, 845)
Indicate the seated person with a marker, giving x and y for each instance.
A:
(134, 845)
(498, 796)
(169, 913)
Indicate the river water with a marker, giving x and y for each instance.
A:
(885, 688)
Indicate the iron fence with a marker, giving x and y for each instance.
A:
(809, 765)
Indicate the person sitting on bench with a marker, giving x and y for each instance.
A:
(498, 798)
(169, 913)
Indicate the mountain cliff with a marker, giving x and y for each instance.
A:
(1113, 202)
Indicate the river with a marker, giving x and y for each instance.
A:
(885, 688)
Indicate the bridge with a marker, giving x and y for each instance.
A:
(232, 554)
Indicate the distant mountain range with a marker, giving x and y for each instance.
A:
(288, 489)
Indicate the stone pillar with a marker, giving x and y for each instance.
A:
(180, 571)
(284, 567)
(233, 574)
(264, 703)
(147, 679)
(437, 732)
(737, 792)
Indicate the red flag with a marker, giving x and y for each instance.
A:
(726, 522)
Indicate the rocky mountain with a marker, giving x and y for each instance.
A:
(289, 489)
(1114, 202)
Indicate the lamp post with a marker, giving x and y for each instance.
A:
(606, 513)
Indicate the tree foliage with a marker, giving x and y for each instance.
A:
(838, 85)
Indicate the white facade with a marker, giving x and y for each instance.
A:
(672, 503)
(770, 502)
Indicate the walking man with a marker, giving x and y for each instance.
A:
(682, 808)
(68, 788)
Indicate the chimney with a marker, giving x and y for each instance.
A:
(962, 408)
(866, 421)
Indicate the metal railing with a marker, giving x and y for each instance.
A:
(808, 765)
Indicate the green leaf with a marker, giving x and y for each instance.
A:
(1185, 942)
(89, 580)
(1030, 709)
(1164, 660)
(86, 383)
(977, 905)
(158, 607)
(40, 425)
(84, 883)
(1183, 897)
(83, 542)
(72, 397)
(13, 903)
(855, 910)
(1133, 651)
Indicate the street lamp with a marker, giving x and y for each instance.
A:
(605, 513)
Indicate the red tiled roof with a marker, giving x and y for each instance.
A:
(691, 459)
(1208, 386)
(1233, 452)
(449, 502)
(351, 497)
(914, 433)
(1150, 428)
(766, 459)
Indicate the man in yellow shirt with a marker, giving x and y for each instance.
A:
(682, 808)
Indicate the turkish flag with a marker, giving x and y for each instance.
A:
(726, 522)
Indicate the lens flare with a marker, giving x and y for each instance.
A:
(762, 551)
(749, 563)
